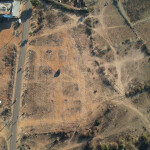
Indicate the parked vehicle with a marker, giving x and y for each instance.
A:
(19, 21)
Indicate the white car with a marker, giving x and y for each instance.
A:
(19, 21)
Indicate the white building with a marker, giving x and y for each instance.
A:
(16, 9)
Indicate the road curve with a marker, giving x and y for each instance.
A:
(19, 77)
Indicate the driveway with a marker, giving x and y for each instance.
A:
(19, 77)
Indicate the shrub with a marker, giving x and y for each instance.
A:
(122, 147)
(5, 112)
(88, 31)
(97, 122)
(35, 3)
(104, 147)
(130, 147)
(145, 49)
(30, 33)
(113, 146)
(144, 142)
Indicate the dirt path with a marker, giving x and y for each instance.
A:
(66, 27)
(125, 60)
(141, 21)
(125, 17)
(103, 31)
(113, 27)
(136, 111)
(124, 102)
(123, 12)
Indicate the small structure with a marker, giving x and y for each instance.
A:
(9, 9)
(5, 8)
(16, 9)
(7, 16)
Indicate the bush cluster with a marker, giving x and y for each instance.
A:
(138, 89)
(142, 143)
(35, 3)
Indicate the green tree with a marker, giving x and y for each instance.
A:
(35, 3)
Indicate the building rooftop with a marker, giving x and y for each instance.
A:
(15, 9)
(5, 8)
(10, 9)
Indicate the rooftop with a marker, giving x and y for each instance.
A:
(15, 9)
(10, 9)
(5, 8)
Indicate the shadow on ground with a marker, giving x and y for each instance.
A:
(5, 24)
(23, 43)
(57, 73)
(26, 14)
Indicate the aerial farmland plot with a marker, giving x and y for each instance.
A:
(85, 77)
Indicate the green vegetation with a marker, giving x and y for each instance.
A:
(104, 147)
(142, 143)
(97, 122)
(146, 50)
(88, 31)
(35, 3)
(113, 146)
(24, 147)
(30, 33)
(92, 2)
(90, 9)
(139, 88)
(66, 8)
(6, 111)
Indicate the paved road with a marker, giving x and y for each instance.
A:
(19, 77)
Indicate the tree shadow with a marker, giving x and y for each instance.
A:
(26, 14)
(16, 25)
(23, 43)
(57, 73)
(5, 24)
(19, 70)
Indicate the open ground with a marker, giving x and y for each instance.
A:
(102, 63)
(85, 79)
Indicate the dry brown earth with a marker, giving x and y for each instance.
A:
(104, 76)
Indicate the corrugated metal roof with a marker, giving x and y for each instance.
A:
(16, 9)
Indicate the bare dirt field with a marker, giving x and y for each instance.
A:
(137, 10)
(143, 29)
(86, 82)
